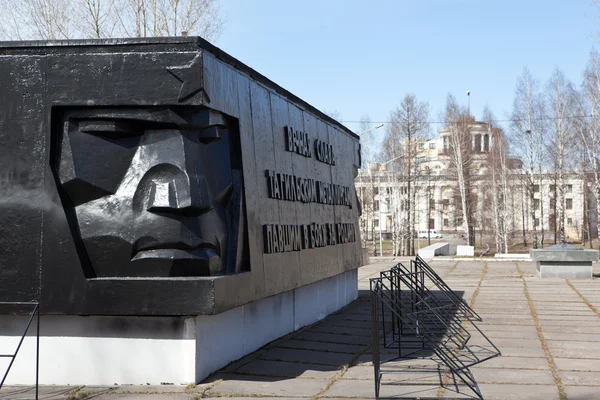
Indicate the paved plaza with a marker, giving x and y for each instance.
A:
(547, 330)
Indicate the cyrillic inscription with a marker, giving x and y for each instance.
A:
(297, 142)
(294, 188)
(287, 238)
(324, 152)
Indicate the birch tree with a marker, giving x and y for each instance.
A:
(528, 128)
(408, 127)
(82, 19)
(560, 106)
(588, 129)
(368, 190)
(459, 122)
(498, 164)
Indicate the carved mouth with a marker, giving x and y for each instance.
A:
(176, 251)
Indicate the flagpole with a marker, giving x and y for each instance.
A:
(469, 96)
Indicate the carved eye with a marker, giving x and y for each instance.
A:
(211, 134)
(110, 129)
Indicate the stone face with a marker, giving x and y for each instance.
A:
(156, 177)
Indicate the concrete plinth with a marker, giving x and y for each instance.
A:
(564, 261)
(562, 270)
(96, 350)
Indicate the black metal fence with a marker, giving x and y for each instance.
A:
(35, 313)
(416, 312)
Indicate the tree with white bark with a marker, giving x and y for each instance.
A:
(588, 132)
(528, 130)
(560, 103)
(408, 128)
(499, 185)
(459, 123)
(84, 19)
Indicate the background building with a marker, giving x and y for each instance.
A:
(383, 193)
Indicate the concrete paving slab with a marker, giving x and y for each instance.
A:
(366, 389)
(536, 352)
(397, 373)
(342, 330)
(488, 328)
(577, 364)
(321, 346)
(572, 337)
(307, 356)
(509, 342)
(497, 375)
(256, 386)
(515, 334)
(287, 369)
(508, 392)
(569, 344)
(334, 338)
(124, 389)
(575, 353)
(28, 392)
(249, 398)
(144, 396)
(580, 378)
(582, 392)
(525, 363)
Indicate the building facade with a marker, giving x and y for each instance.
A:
(383, 193)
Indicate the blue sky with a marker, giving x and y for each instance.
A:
(360, 58)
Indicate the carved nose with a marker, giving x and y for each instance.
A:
(178, 193)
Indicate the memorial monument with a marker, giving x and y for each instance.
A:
(169, 208)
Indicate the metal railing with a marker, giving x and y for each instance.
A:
(34, 313)
(411, 317)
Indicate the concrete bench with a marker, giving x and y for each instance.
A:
(437, 249)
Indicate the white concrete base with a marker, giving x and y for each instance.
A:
(512, 256)
(151, 350)
(436, 249)
(465, 251)
(565, 271)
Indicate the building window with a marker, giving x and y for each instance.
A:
(375, 223)
(552, 188)
(536, 222)
(431, 204)
(569, 204)
(486, 143)
(445, 204)
(432, 146)
(569, 221)
(446, 223)
(421, 145)
(477, 143)
(445, 140)
(536, 188)
(375, 191)
(536, 204)
(569, 189)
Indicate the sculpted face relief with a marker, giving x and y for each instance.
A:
(153, 192)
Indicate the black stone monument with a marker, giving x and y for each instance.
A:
(163, 177)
